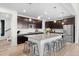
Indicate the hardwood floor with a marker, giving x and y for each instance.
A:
(69, 50)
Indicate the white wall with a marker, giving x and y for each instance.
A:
(8, 26)
(13, 24)
(76, 9)
(7, 18)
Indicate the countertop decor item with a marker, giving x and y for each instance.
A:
(47, 30)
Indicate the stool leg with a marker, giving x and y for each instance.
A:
(34, 50)
(54, 48)
(26, 49)
(46, 50)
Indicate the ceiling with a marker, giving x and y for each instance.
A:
(43, 11)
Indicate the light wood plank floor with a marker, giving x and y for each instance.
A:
(69, 50)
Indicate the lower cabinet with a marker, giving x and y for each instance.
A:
(21, 39)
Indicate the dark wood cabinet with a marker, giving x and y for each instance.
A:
(51, 24)
(69, 21)
(23, 22)
(38, 24)
(58, 24)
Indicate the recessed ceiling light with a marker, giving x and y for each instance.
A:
(24, 10)
(62, 23)
(38, 17)
(45, 13)
(30, 19)
(49, 18)
(55, 21)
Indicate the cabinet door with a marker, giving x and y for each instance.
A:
(68, 39)
(38, 24)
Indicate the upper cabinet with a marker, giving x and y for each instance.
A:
(54, 24)
(38, 24)
(58, 24)
(69, 21)
(24, 22)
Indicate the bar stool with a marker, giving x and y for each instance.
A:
(34, 49)
(56, 47)
(31, 48)
(27, 46)
(61, 43)
(52, 46)
(46, 49)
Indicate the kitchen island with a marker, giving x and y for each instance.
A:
(41, 39)
(21, 36)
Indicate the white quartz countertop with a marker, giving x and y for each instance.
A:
(44, 36)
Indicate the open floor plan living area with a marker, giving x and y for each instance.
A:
(39, 29)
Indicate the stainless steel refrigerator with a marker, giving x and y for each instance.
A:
(68, 33)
